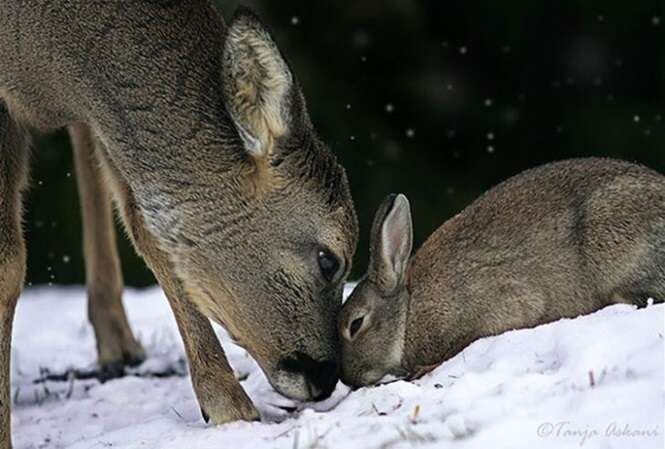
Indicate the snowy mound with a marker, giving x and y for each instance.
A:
(596, 381)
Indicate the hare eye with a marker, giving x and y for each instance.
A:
(328, 264)
(355, 326)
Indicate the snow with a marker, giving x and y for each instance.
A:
(595, 382)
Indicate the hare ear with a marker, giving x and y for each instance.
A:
(391, 242)
(257, 84)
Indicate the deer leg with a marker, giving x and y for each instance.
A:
(220, 395)
(116, 344)
(13, 173)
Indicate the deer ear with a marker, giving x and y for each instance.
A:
(257, 84)
(391, 242)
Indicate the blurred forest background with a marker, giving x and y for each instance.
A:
(439, 100)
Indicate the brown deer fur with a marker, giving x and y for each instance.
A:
(201, 134)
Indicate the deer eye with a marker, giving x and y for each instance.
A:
(328, 264)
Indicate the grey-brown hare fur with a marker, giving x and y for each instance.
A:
(560, 240)
(200, 133)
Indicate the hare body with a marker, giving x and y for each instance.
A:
(560, 240)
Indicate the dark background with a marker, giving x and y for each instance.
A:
(439, 100)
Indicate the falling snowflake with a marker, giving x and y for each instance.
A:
(295, 20)
(390, 107)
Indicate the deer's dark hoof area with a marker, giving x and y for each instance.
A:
(111, 371)
(206, 418)
(133, 360)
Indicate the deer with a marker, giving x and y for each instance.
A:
(557, 241)
(197, 133)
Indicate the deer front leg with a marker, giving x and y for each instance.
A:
(13, 168)
(116, 344)
(220, 395)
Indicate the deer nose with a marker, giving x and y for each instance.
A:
(321, 376)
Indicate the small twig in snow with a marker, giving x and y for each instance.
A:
(416, 413)
(177, 413)
(398, 405)
(70, 390)
(286, 432)
(377, 410)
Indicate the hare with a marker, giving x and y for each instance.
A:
(560, 240)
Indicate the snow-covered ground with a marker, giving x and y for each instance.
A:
(595, 382)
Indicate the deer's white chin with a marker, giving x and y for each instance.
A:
(292, 385)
